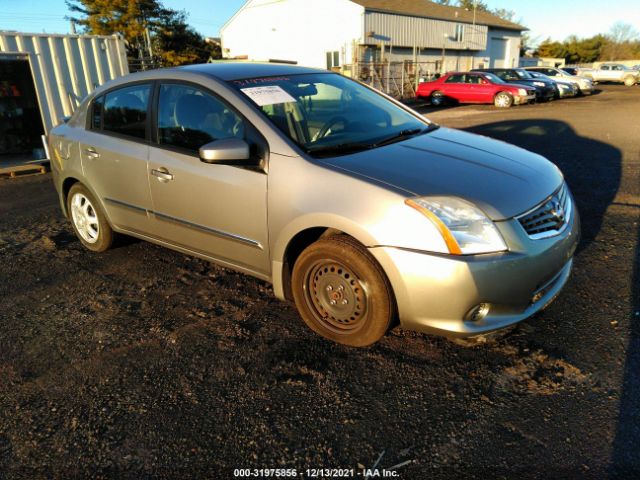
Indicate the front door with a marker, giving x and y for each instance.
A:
(114, 152)
(216, 210)
(480, 90)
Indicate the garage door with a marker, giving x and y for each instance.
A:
(498, 53)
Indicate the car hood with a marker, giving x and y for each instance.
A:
(530, 81)
(501, 179)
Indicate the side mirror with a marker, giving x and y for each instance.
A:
(484, 82)
(227, 151)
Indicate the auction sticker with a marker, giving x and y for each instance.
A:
(270, 95)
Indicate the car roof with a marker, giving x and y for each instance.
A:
(230, 70)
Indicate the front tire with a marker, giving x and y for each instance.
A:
(342, 293)
(503, 100)
(88, 220)
(629, 81)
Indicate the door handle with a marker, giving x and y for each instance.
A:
(162, 174)
(91, 153)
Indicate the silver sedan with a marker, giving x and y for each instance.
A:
(356, 208)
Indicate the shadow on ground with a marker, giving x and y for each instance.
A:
(594, 177)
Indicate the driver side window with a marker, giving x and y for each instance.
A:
(190, 118)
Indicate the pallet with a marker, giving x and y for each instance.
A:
(29, 168)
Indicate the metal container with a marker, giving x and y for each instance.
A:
(65, 68)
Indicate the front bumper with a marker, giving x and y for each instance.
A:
(545, 94)
(522, 99)
(437, 293)
(586, 88)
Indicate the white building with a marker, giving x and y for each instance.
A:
(331, 33)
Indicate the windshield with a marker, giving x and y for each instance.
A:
(326, 113)
(523, 74)
(493, 78)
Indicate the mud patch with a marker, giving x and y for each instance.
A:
(541, 374)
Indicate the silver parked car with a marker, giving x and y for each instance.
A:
(355, 207)
(584, 84)
(564, 89)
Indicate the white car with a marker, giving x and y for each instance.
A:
(584, 84)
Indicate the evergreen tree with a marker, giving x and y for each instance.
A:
(147, 27)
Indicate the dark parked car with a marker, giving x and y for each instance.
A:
(545, 89)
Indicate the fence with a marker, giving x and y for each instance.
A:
(398, 79)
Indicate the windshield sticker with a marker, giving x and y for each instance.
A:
(271, 95)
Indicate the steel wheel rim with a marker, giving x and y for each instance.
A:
(85, 218)
(336, 296)
(436, 98)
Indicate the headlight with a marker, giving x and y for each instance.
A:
(539, 84)
(522, 91)
(464, 228)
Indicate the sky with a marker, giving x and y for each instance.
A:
(555, 19)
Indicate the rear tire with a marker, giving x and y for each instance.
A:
(342, 293)
(629, 81)
(503, 100)
(88, 220)
(437, 98)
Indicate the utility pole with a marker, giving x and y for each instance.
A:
(444, 49)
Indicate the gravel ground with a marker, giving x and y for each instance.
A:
(144, 363)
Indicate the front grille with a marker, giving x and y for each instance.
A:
(550, 217)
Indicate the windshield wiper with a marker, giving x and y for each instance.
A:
(353, 147)
(402, 134)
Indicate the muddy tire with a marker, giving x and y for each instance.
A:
(342, 293)
(629, 81)
(88, 220)
(437, 99)
(503, 100)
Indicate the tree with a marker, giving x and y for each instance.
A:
(147, 26)
(621, 42)
(479, 5)
(505, 14)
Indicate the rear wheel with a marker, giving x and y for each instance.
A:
(89, 221)
(629, 81)
(341, 292)
(503, 100)
(437, 98)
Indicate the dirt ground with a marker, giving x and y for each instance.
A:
(144, 363)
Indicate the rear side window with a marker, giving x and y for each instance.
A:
(455, 79)
(125, 111)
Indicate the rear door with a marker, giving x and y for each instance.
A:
(213, 209)
(114, 151)
(455, 88)
(605, 73)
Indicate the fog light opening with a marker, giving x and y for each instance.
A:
(478, 313)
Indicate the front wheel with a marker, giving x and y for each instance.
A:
(88, 220)
(503, 100)
(629, 81)
(342, 293)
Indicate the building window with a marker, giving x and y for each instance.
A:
(333, 60)
(459, 32)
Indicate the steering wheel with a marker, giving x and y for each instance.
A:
(327, 126)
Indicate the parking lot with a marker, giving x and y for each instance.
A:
(142, 362)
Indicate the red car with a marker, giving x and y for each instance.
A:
(475, 87)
